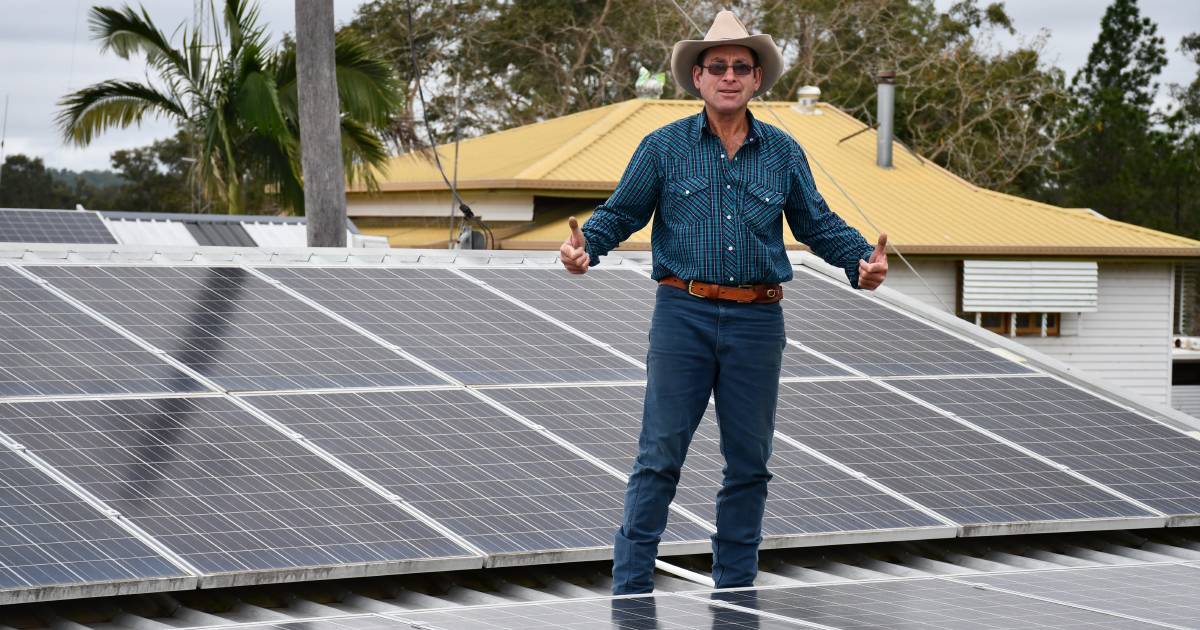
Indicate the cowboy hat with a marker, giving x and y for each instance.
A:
(726, 30)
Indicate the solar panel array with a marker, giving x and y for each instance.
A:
(53, 226)
(238, 424)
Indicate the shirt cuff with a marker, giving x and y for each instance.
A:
(852, 268)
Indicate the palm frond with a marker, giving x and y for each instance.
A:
(367, 87)
(126, 32)
(363, 152)
(96, 108)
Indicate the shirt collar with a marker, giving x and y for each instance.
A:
(700, 127)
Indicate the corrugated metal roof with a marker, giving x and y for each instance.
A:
(923, 208)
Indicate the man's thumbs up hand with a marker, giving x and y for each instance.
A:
(573, 252)
(872, 272)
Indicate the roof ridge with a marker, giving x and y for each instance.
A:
(587, 137)
(1033, 203)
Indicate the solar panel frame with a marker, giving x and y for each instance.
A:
(235, 329)
(869, 341)
(463, 329)
(56, 545)
(476, 470)
(1163, 593)
(918, 603)
(53, 226)
(983, 484)
(1130, 452)
(48, 347)
(810, 502)
(615, 308)
(237, 500)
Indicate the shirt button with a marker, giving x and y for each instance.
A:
(728, 216)
(727, 186)
(731, 278)
(722, 155)
(730, 248)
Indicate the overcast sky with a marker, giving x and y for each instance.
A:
(47, 52)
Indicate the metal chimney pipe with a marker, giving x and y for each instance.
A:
(886, 113)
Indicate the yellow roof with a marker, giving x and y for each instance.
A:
(923, 208)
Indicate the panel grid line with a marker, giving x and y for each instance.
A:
(1022, 449)
(165, 356)
(359, 329)
(596, 461)
(1059, 602)
(49, 346)
(578, 333)
(356, 475)
(99, 505)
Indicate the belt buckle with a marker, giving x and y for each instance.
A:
(693, 293)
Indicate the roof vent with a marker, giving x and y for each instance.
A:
(649, 85)
(807, 99)
(886, 111)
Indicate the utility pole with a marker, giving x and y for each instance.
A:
(320, 129)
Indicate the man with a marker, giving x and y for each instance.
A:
(718, 185)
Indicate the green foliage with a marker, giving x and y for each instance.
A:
(1131, 162)
(235, 99)
(26, 183)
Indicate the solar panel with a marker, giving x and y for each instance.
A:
(457, 326)
(961, 473)
(51, 538)
(219, 233)
(806, 495)
(1161, 593)
(504, 487)
(235, 328)
(659, 612)
(357, 622)
(53, 226)
(48, 347)
(876, 340)
(218, 486)
(615, 308)
(1129, 452)
(924, 604)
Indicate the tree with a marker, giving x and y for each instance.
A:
(154, 178)
(991, 117)
(1111, 161)
(235, 96)
(28, 184)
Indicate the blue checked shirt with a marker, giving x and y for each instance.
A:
(719, 220)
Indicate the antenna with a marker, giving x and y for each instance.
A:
(3, 137)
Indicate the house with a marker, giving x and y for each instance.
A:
(1096, 293)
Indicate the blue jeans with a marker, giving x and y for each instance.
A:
(700, 347)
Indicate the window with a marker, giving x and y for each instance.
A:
(1018, 324)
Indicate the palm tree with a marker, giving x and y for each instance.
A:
(235, 97)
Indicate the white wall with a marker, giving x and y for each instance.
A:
(1186, 398)
(491, 205)
(1126, 342)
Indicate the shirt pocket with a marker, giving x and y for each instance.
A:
(690, 200)
(763, 205)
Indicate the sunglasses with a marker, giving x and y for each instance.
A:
(718, 68)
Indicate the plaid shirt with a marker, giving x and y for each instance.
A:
(719, 220)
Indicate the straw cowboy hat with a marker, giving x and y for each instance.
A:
(726, 30)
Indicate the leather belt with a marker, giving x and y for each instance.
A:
(744, 294)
